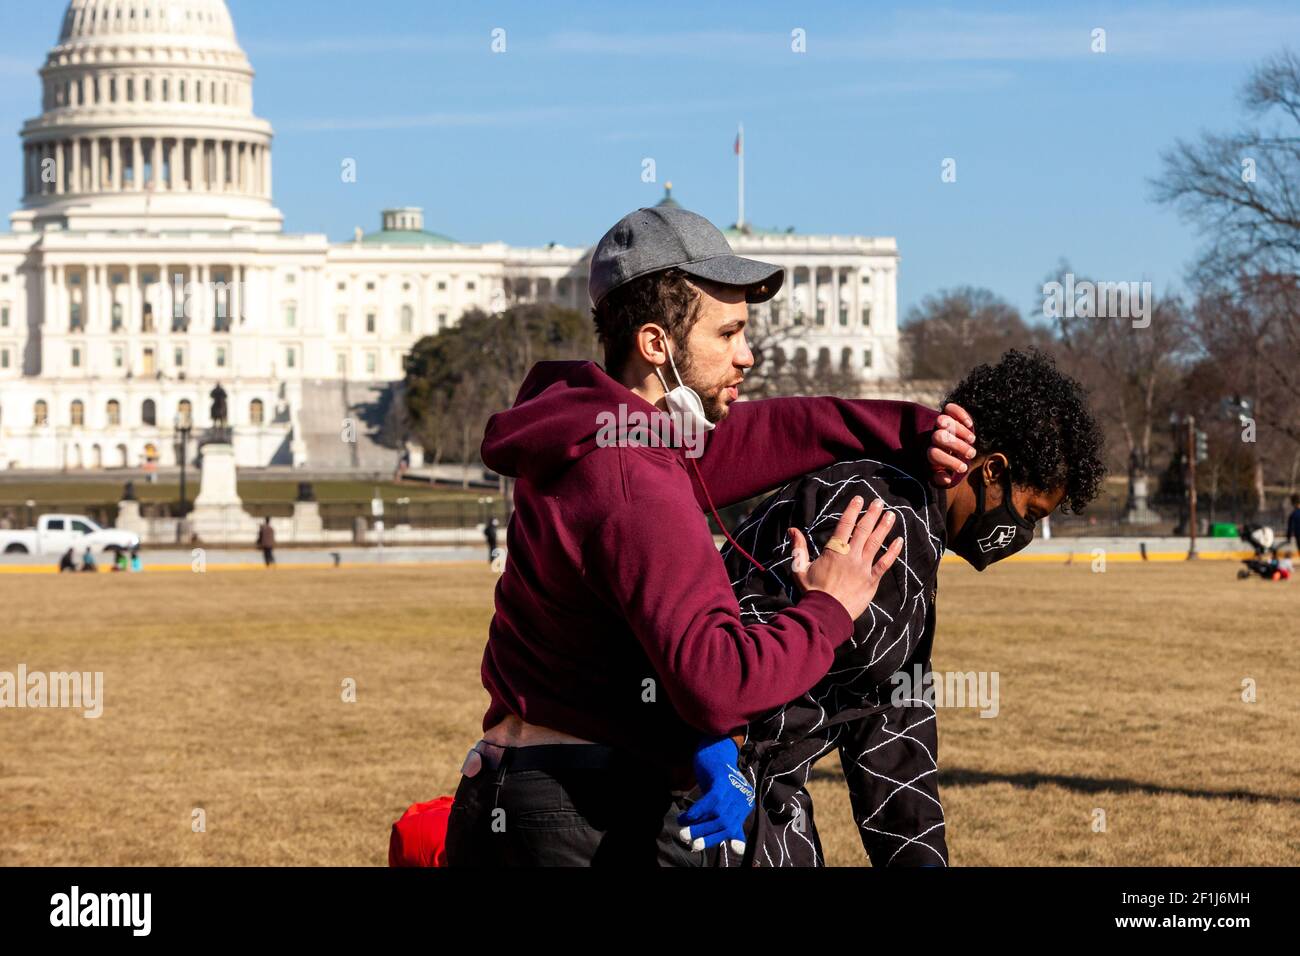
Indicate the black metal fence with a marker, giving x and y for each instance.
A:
(335, 515)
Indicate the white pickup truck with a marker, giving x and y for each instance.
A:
(54, 534)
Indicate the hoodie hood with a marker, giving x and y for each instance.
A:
(554, 420)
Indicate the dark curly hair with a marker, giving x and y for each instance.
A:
(667, 298)
(1039, 418)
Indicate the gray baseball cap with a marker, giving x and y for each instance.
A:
(663, 237)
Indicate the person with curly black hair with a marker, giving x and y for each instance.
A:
(1038, 448)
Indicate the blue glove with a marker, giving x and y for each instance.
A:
(726, 798)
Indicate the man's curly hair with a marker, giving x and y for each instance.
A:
(667, 298)
(1039, 418)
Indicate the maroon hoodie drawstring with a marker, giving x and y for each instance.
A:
(709, 499)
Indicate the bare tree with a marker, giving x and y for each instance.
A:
(954, 330)
(1132, 372)
(1240, 189)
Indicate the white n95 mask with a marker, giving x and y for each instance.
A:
(682, 400)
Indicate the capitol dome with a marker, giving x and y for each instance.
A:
(147, 122)
(187, 20)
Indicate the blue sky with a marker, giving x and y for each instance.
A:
(545, 142)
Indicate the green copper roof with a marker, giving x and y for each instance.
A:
(406, 237)
(668, 199)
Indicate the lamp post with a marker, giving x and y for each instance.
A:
(183, 425)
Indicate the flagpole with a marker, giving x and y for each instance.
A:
(740, 150)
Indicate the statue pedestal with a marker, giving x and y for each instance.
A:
(307, 524)
(1138, 511)
(218, 515)
(128, 518)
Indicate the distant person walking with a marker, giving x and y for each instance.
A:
(1293, 522)
(266, 541)
(490, 533)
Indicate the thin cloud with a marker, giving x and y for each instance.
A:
(1165, 33)
(965, 80)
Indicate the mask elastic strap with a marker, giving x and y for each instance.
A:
(979, 499)
(662, 382)
(726, 534)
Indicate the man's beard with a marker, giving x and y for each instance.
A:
(715, 409)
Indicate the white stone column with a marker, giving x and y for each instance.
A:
(59, 185)
(90, 315)
(855, 295)
(94, 165)
(48, 305)
(812, 294)
(77, 186)
(835, 298)
(236, 303)
(137, 164)
(200, 309)
(115, 164)
(61, 323)
(131, 322)
(220, 185)
(266, 164)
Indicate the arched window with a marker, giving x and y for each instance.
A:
(40, 413)
(114, 412)
(77, 413)
(846, 359)
(255, 412)
(149, 412)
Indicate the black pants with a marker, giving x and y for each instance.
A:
(558, 814)
(268, 557)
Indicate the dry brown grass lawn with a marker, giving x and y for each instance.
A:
(1119, 691)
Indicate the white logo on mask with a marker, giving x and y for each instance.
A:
(999, 537)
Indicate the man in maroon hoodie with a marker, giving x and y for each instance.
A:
(617, 639)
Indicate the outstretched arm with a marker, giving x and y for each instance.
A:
(763, 444)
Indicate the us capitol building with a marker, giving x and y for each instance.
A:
(149, 263)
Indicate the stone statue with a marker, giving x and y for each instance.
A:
(219, 414)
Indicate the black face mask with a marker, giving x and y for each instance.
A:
(989, 536)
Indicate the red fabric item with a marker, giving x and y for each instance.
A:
(614, 577)
(419, 838)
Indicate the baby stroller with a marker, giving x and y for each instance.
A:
(1266, 562)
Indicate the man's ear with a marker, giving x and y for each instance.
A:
(648, 344)
(993, 468)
